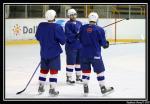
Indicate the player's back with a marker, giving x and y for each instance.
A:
(47, 34)
(90, 38)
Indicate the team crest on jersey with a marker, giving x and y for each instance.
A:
(89, 30)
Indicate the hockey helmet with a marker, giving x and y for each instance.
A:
(93, 16)
(71, 12)
(50, 14)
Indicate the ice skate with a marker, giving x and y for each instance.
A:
(52, 92)
(86, 90)
(41, 89)
(105, 91)
(70, 81)
(78, 79)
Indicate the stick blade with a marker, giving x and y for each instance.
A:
(20, 92)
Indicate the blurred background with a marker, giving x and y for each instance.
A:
(104, 11)
(21, 20)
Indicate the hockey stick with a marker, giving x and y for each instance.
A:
(29, 80)
(116, 22)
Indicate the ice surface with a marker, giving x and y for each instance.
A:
(125, 70)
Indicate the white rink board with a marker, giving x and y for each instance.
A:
(126, 29)
(131, 29)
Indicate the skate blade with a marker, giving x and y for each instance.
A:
(107, 93)
(70, 83)
(85, 94)
(78, 82)
(40, 93)
(53, 95)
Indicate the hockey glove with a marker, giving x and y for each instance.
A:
(107, 45)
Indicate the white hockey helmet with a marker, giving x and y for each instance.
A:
(50, 14)
(93, 16)
(71, 12)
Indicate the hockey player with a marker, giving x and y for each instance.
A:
(50, 35)
(72, 47)
(92, 37)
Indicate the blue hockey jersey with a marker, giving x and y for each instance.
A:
(72, 29)
(92, 37)
(50, 36)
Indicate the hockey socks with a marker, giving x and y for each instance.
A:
(86, 78)
(78, 74)
(53, 82)
(69, 72)
(43, 74)
(42, 79)
(101, 79)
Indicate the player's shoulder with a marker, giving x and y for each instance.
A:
(79, 21)
(85, 25)
(57, 25)
(68, 22)
(72, 22)
(41, 23)
(98, 27)
(89, 25)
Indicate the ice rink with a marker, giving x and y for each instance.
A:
(125, 71)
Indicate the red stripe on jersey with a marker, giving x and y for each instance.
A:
(86, 71)
(44, 71)
(53, 71)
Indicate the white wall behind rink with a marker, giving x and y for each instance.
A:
(24, 29)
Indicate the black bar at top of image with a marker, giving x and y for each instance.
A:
(76, 1)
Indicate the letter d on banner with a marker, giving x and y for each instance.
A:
(25, 30)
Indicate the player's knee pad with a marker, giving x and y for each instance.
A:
(43, 74)
(53, 76)
(53, 71)
(86, 71)
(44, 71)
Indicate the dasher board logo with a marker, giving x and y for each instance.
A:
(16, 30)
(21, 30)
